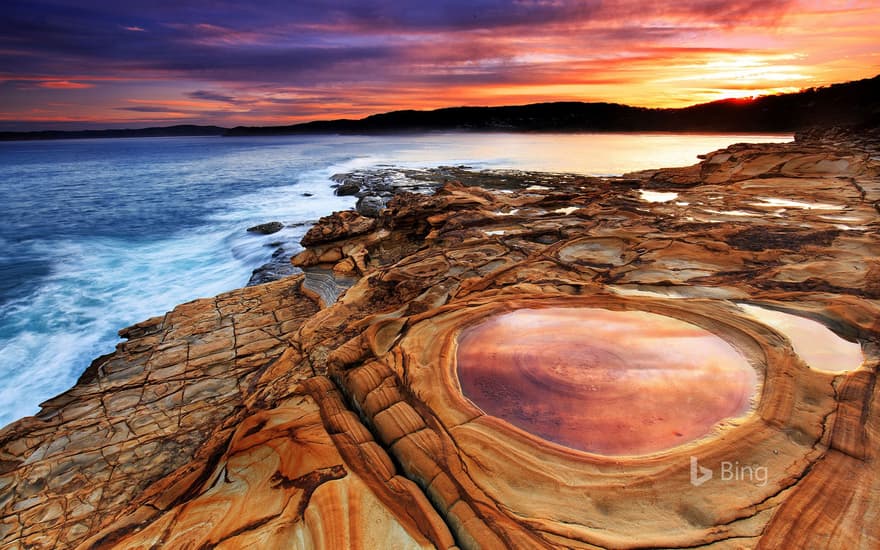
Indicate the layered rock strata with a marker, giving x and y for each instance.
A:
(326, 410)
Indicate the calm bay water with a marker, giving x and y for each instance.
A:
(96, 235)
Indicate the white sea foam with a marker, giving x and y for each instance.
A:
(97, 287)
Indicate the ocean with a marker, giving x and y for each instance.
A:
(96, 235)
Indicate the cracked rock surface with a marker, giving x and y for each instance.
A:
(325, 410)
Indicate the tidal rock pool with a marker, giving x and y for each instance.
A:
(603, 381)
(815, 343)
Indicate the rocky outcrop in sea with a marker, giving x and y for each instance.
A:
(719, 324)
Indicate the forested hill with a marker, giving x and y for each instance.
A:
(848, 104)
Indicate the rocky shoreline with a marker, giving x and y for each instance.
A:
(374, 189)
(324, 410)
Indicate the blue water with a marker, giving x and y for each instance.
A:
(96, 235)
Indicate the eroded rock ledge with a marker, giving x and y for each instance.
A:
(324, 410)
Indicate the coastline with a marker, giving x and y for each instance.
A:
(348, 353)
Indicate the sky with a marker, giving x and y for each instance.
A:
(70, 64)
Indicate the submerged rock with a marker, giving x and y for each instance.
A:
(266, 228)
(327, 410)
(277, 268)
(345, 185)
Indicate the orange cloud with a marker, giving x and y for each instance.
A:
(176, 103)
(64, 85)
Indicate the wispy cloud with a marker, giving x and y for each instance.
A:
(64, 85)
(153, 109)
(212, 96)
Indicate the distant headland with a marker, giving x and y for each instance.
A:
(847, 104)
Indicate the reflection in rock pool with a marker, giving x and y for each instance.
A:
(602, 381)
(820, 348)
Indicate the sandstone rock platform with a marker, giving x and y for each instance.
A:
(326, 410)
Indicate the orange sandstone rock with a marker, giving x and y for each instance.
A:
(398, 394)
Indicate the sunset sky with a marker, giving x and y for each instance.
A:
(67, 64)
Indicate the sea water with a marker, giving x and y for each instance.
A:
(96, 235)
